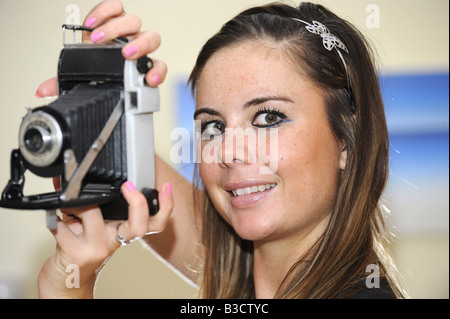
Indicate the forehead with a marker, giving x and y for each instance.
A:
(246, 70)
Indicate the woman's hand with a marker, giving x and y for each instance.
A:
(85, 242)
(109, 21)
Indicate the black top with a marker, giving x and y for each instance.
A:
(383, 292)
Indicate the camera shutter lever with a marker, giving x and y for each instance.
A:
(73, 187)
(70, 163)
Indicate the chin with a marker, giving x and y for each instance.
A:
(253, 229)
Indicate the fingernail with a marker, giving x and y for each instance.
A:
(90, 21)
(130, 186)
(156, 79)
(38, 95)
(169, 188)
(131, 50)
(97, 36)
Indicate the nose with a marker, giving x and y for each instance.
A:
(238, 147)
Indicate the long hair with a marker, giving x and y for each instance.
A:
(356, 235)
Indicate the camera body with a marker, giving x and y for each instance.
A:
(97, 134)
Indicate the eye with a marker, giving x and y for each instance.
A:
(211, 129)
(268, 118)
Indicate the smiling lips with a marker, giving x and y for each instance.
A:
(244, 196)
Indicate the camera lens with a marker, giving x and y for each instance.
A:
(34, 141)
(40, 138)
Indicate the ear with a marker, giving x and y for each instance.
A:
(343, 156)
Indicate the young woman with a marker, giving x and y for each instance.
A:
(304, 221)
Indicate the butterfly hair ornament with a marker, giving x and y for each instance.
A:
(330, 42)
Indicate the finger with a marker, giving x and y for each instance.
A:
(93, 224)
(57, 183)
(114, 28)
(145, 43)
(157, 74)
(138, 213)
(103, 12)
(64, 237)
(159, 221)
(90, 219)
(74, 224)
(73, 212)
(48, 88)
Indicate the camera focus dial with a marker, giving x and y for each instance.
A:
(40, 138)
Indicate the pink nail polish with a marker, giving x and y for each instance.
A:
(38, 95)
(131, 50)
(130, 186)
(156, 79)
(169, 188)
(97, 36)
(90, 22)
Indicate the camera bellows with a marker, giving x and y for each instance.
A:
(80, 115)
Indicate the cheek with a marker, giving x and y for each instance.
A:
(205, 171)
(210, 177)
(268, 151)
(206, 157)
(309, 164)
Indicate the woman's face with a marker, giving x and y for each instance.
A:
(279, 177)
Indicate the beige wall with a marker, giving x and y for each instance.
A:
(412, 36)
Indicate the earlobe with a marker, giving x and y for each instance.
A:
(343, 157)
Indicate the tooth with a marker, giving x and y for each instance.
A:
(252, 189)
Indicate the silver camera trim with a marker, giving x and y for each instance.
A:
(43, 122)
(141, 101)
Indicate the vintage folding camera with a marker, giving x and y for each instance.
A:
(97, 134)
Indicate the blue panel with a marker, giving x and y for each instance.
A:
(185, 111)
(416, 103)
(417, 110)
(419, 157)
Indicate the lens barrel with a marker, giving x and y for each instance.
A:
(37, 140)
(40, 138)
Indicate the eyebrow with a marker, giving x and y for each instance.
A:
(264, 99)
(206, 110)
(252, 102)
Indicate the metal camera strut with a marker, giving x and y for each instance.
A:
(133, 108)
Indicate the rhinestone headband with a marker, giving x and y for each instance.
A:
(330, 42)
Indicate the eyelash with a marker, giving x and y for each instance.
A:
(272, 111)
(264, 110)
(207, 121)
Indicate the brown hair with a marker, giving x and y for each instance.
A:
(356, 235)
